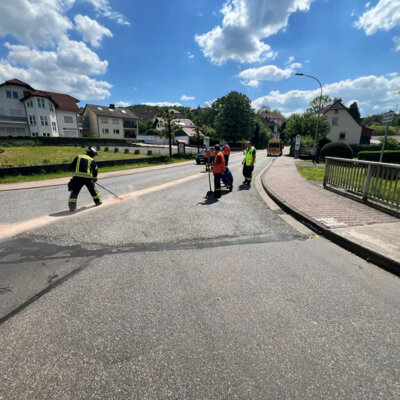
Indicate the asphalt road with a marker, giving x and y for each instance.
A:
(164, 295)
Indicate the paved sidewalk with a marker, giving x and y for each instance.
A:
(361, 229)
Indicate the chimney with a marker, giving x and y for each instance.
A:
(112, 106)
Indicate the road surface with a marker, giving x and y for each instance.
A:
(164, 295)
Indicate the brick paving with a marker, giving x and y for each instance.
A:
(330, 209)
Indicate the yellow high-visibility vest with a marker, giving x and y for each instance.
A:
(249, 156)
(83, 167)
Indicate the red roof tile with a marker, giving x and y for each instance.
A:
(62, 101)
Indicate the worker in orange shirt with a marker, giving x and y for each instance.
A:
(218, 167)
(227, 153)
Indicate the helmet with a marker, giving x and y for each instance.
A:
(217, 147)
(91, 152)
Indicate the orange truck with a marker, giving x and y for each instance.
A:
(274, 147)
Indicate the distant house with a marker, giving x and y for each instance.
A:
(272, 120)
(111, 122)
(175, 113)
(26, 111)
(145, 113)
(343, 126)
(186, 130)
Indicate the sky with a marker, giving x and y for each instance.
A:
(191, 52)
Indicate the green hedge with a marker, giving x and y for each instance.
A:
(60, 141)
(363, 147)
(337, 149)
(389, 156)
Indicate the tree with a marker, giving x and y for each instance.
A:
(304, 125)
(234, 117)
(317, 104)
(198, 128)
(355, 112)
(169, 129)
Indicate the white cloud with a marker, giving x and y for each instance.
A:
(396, 41)
(253, 76)
(103, 8)
(374, 94)
(124, 103)
(190, 55)
(384, 16)
(368, 5)
(91, 30)
(162, 104)
(245, 23)
(187, 98)
(28, 21)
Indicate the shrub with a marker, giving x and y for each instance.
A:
(337, 149)
(389, 156)
(149, 152)
(323, 142)
(105, 148)
(363, 147)
(137, 151)
(126, 151)
(116, 150)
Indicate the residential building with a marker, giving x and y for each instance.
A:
(272, 120)
(145, 114)
(343, 126)
(111, 122)
(26, 111)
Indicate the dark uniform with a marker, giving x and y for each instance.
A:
(85, 174)
(218, 167)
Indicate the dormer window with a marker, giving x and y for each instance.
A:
(40, 102)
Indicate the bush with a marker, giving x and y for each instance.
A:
(105, 148)
(323, 142)
(126, 151)
(389, 156)
(116, 150)
(337, 149)
(363, 147)
(137, 151)
(149, 152)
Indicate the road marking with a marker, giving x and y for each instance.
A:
(9, 230)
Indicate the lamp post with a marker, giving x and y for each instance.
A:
(320, 100)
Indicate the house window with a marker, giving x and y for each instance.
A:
(336, 111)
(8, 94)
(342, 135)
(15, 95)
(43, 120)
(335, 121)
(104, 120)
(32, 120)
(68, 120)
(116, 131)
(54, 125)
(40, 102)
(115, 121)
(29, 104)
(51, 107)
(105, 130)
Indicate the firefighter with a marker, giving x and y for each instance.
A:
(248, 163)
(227, 152)
(85, 173)
(218, 167)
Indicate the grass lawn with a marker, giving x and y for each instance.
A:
(312, 173)
(62, 174)
(20, 156)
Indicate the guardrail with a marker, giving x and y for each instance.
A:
(378, 182)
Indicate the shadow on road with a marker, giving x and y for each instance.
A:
(66, 213)
(244, 187)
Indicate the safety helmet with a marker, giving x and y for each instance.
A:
(91, 152)
(217, 147)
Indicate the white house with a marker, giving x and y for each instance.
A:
(26, 111)
(343, 126)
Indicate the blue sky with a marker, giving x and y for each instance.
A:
(190, 52)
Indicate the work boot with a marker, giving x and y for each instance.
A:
(98, 203)
(72, 207)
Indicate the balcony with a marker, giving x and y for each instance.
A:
(130, 124)
(13, 120)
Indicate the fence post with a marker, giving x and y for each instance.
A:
(326, 172)
(367, 183)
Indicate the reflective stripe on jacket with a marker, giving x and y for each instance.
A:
(83, 167)
(249, 156)
(219, 163)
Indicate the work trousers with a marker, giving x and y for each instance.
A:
(76, 186)
(217, 186)
(248, 172)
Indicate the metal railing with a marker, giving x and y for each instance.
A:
(374, 181)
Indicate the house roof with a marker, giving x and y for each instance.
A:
(17, 82)
(62, 101)
(117, 112)
(267, 115)
(182, 122)
(187, 131)
(145, 114)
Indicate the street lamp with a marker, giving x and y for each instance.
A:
(320, 100)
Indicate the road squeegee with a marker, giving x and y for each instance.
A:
(109, 191)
